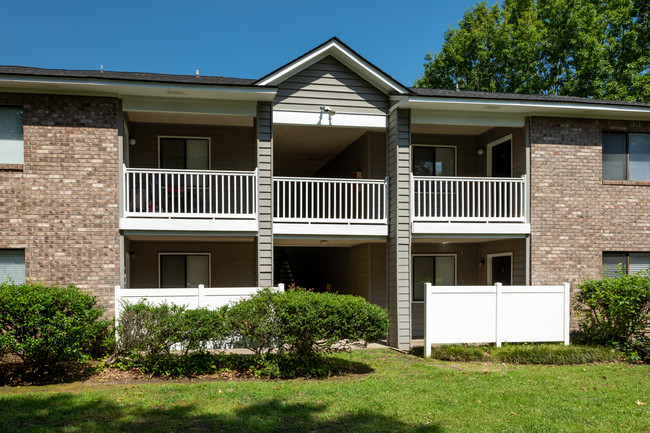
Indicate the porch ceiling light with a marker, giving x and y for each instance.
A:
(480, 151)
(132, 141)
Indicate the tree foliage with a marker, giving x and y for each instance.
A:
(587, 48)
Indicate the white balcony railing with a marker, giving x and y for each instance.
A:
(190, 194)
(317, 200)
(465, 199)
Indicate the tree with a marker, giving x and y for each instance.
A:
(588, 48)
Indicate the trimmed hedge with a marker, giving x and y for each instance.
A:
(305, 322)
(154, 331)
(45, 325)
(298, 324)
(555, 354)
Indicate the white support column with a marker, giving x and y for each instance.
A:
(428, 316)
(567, 312)
(497, 291)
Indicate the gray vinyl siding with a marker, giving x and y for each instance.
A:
(399, 232)
(518, 148)
(265, 194)
(232, 263)
(378, 291)
(361, 265)
(328, 82)
(518, 249)
(367, 153)
(232, 147)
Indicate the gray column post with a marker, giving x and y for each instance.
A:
(399, 228)
(265, 194)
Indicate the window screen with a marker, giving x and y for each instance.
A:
(185, 153)
(626, 156)
(11, 136)
(184, 270)
(12, 266)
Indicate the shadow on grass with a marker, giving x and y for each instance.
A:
(29, 413)
(17, 373)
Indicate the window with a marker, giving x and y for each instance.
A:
(439, 270)
(12, 265)
(11, 135)
(179, 270)
(631, 263)
(434, 161)
(626, 156)
(184, 153)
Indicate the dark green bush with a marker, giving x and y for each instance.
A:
(615, 312)
(311, 322)
(153, 331)
(44, 325)
(255, 321)
(305, 322)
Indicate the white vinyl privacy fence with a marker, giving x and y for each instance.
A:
(495, 314)
(195, 297)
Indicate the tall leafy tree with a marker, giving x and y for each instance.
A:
(589, 48)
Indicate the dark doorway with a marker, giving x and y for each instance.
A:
(501, 269)
(501, 159)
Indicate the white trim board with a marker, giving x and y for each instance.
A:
(190, 225)
(325, 119)
(330, 229)
(471, 228)
(345, 56)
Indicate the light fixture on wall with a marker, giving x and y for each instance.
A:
(480, 151)
(481, 262)
(132, 141)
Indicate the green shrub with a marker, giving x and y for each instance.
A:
(153, 331)
(615, 312)
(304, 322)
(556, 354)
(255, 322)
(45, 325)
(311, 322)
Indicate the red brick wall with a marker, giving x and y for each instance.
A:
(62, 207)
(575, 215)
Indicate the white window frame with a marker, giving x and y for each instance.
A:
(454, 255)
(184, 253)
(489, 258)
(448, 146)
(489, 148)
(22, 141)
(186, 137)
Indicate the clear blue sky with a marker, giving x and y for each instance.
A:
(245, 39)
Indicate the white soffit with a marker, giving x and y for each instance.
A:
(357, 64)
(456, 110)
(86, 86)
(325, 119)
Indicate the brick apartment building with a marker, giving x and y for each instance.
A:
(326, 173)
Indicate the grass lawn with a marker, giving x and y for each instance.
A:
(403, 393)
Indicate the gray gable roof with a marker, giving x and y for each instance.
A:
(126, 76)
(466, 94)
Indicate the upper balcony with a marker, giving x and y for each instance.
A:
(323, 206)
(159, 199)
(458, 205)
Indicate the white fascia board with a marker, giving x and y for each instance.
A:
(346, 57)
(528, 108)
(190, 225)
(135, 88)
(356, 230)
(439, 117)
(470, 228)
(193, 106)
(324, 119)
